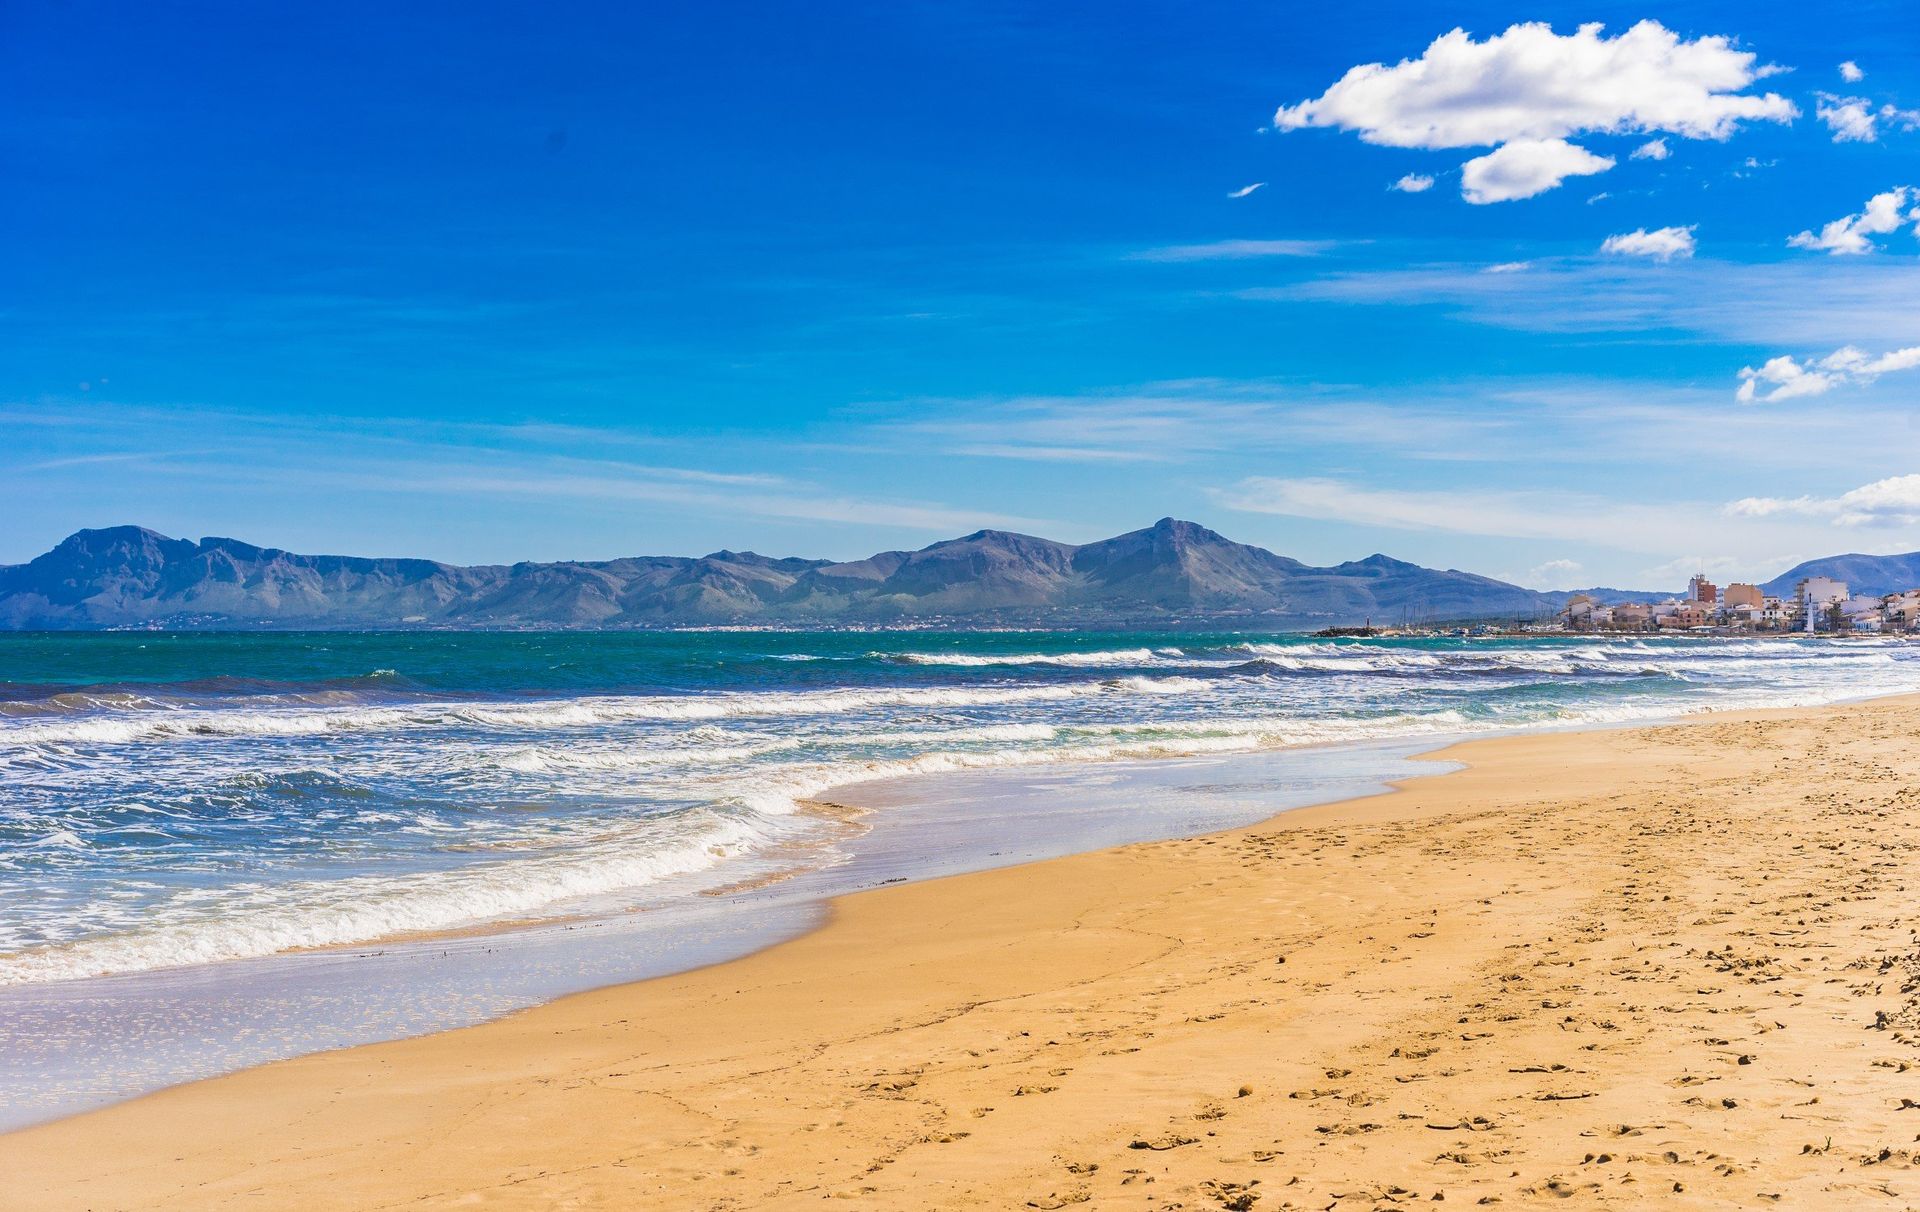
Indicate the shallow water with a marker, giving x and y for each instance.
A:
(180, 799)
(66, 1046)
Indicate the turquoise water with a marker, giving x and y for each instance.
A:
(170, 800)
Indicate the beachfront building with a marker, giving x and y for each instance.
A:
(1816, 597)
(1819, 592)
(1579, 610)
(1901, 611)
(1682, 616)
(1818, 604)
(1584, 612)
(1632, 616)
(1861, 614)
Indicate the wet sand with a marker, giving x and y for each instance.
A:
(1671, 965)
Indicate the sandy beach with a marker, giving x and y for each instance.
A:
(1663, 966)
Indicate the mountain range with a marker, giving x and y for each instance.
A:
(1171, 574)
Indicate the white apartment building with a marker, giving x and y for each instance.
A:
(1861, 613)
(1819, 592)
(1815, 596)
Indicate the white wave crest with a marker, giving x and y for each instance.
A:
(190, 724)
(1071, 660)
(252, 921)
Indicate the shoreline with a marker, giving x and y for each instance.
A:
(63, 1045)
(639, 1091)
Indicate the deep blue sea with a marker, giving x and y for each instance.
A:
(172, 799)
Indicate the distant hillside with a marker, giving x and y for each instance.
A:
(1172, 574)
(1613, 597)
(1873, 576)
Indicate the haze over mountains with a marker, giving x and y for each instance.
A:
(1172, 574)
(1873, 576)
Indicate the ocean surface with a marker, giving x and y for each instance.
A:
(180, 799)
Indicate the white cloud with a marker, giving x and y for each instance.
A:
(1235, 250)
(1747, 530)
(1526, 167)
(1790, 378)
(1894, 501)
(1245, 190)
(1681, 568)
(1652, 149)
(1554, 574)
(1810, 303)
(1184, 420)
(1662, 243)
(1560, 516)
(1851, 73)
(1530, 85)
(1509, 267)
(1328, 499)
(1855, 120)
(1413, 183)
(1851, 119)
(569, 484)
(1848, 235)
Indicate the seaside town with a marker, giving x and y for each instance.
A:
(1818, 605)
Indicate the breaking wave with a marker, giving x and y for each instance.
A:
(189, 814)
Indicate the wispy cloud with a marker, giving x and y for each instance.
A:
(1554, 574)
(1753, 530)
(1731, 567)
(1498, 514)
(804, 503)
(1894, 501)
(1236, 250)
(399, 458)
(1247, 190)
(94, 460)
(1189, 420)
(1797, 303)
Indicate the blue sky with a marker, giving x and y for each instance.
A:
(487, 282)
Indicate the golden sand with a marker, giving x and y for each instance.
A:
(1667, 967)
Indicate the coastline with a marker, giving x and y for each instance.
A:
(1166, 979)
(75, 1046)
